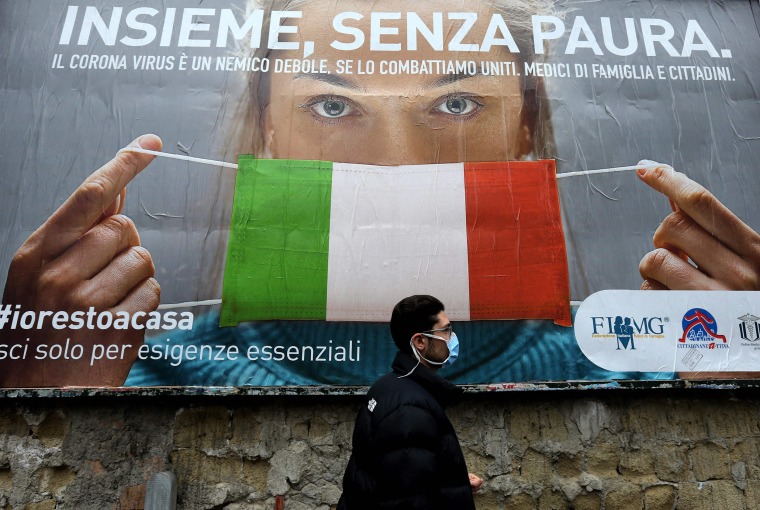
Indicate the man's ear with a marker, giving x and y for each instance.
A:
(419, 341)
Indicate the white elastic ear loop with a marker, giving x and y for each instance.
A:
(652, 164)
(225, 164)
(418, 355)
(644, 164)
(410, 372)
(179, 156)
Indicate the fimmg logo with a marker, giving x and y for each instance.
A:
(700, 330)
(626, 330)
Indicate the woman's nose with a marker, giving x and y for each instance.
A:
(401, 140)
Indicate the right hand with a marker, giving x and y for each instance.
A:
(85, 255)
(724, 249)
(475, 482)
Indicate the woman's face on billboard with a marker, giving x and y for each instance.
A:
(390, 119)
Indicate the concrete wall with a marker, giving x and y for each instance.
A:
(658, 449)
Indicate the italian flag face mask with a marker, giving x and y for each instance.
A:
(345, 242)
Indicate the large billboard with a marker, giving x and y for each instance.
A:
(237, 193)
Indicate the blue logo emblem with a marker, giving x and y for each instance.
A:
(623, 332)
(700, 326)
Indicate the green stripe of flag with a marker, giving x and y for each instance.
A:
(279, 239)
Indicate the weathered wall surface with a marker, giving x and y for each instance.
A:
(606, 450)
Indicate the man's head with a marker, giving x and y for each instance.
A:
(413, 315)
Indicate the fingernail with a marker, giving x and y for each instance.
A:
(648, 163)
(144, 141)
(643, 171)
(143, 138)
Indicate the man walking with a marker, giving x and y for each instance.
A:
(406, 454)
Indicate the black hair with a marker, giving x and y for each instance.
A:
(411, 315)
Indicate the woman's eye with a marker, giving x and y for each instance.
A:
(459, 106)
(331, 107)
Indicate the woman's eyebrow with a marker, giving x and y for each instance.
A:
(333, 79)
(452, 78)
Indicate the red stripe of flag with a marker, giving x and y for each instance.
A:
(515, 243)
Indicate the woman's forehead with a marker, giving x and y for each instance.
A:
(391, 21)
(423, 68)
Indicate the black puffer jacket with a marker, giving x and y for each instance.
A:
(406, 455)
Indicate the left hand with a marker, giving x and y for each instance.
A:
(475, 482)
(724, 249)
(85, 257)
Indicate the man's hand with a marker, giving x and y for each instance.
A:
(725, 250)
(85, 255)
(475, 482)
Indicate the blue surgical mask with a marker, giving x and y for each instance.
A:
(452, 343)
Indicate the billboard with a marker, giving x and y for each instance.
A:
(576, 181)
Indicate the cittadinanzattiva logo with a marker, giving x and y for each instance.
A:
(700, 330)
